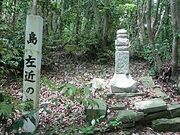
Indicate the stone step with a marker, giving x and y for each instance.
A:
(123, 95)
(151, 105)
(117, 106)
(174, 110)
(172, 125)
(127, 116)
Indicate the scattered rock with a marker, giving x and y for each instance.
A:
(167, 124)
(147, 81)
(159, 93)
(151, 105)
(97, 83)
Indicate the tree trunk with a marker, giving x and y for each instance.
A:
(1, 6)
(106, 24)
(140, 21)
(14, 14)
(46, 14)
(157, 61)
(78, 22)
(175, 13)
(97, 18)
(34, 7)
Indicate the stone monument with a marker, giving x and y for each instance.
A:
(122, 81)
(32, 67)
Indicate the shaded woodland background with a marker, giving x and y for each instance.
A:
(88, 27)
(85, 30)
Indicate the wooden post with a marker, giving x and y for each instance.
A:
(32, 66)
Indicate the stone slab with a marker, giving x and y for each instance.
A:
(123, 95)
(127, 116)
(147, 81)
(151, 105)
(172, 125)
(117, 106)
(154, 116)
(174, 110)
(96, 111)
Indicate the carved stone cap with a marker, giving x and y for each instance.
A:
(121, 33)
(122, 42)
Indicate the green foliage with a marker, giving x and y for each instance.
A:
(114, 123)
(81, 95)
(9, 107)
(92, 128)
(12, 38)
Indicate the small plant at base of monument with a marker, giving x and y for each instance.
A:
(101, 125)
(11, 118)
(74, 93)
(93, 127)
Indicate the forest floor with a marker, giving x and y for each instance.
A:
(66, 116)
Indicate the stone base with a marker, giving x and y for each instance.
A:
(122, 83)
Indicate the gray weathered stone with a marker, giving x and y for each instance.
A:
(127, 116)
(156, 115)
(174, 110)
(147, 81)
(151, 105)
(159, 93)
(121, 41)
(96, 111)
(167, 124)
(123, 95)
(122, 62)
(122, 80)
(121, 83)
(117, 106)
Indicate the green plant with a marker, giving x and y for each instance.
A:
(10, 107)
(114, 123)
(74, 93)
(92, 128)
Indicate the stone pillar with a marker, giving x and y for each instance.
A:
(32, 68)
(122, 80)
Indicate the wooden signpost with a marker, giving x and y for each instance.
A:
(32, 66)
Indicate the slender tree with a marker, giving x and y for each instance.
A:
(106, 23)
(151, 36)
(175, 13)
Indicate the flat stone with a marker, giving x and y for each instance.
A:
(151, 105)
(128, 116)
(172, 125)
(96, 111)
(147, 81)
(128, 125)
(159, 93)
(123, 95)
(174, 110)
(122, 83)
(117, 106)
(157, 115)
